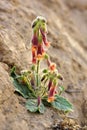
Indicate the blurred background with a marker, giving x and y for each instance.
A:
(67, 32)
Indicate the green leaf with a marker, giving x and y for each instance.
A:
(32, 106)
(12, 73)
(41, 108)
(62, 104)
(61, 90)
(22, 89)
(45, 102)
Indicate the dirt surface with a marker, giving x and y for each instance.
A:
(67, 32)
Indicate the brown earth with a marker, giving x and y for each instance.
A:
(67, 27)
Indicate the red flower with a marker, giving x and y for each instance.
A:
(52, 66)
(48, 62)
(47, 44)
(44, 38)
(51, 96)
(49, 84)
(40, 51)
(34, 54)
(35, 40)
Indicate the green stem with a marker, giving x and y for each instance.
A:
(38, 63)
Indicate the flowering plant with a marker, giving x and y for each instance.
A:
(40, 87)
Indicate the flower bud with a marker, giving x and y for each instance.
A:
(38, 100)
(43, 78)
(60, 77)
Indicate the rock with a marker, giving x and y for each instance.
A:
(67, 27)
